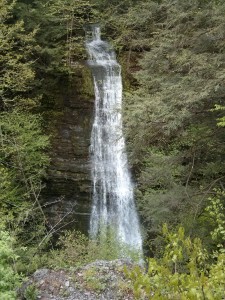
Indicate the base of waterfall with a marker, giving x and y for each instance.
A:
(98, 280)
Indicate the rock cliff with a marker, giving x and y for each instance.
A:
(67, 194)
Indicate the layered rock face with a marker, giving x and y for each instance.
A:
(67, 196)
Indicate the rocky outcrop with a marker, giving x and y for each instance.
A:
(101, 280)
(68, 188)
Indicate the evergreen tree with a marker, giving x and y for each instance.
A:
(175, 144)
(22, 143)
(16, 71)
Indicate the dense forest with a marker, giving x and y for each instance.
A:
(172, 54)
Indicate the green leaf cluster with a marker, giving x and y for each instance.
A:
(23, 156)
(76, 249)
(16, 65)
(9, 278)
(184, 271)
(60, 33)
(215, 209)
(59, 52)
(22, 153)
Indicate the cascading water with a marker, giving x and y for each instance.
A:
(113, 201)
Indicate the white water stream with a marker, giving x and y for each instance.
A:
(113, 202)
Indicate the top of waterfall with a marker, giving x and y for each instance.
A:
(93, 32)
(96, 33)
(100, 52)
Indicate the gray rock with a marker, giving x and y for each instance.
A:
(41, 273)
(100, 280)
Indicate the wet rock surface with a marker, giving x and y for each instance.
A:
(104, 280)
(67, 196)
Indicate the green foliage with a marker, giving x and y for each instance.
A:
(73, 14)
(215, 209)
(77, 249)
(22, 157)
(60, 32)
(183, 271)
(74, 250)
(31, 292)
(221, 120)
(10, 279)
(23, 162)
(174, 53)
(116, 5)
(175, 70)
(16, 72)
(59, 52)
(92, 280)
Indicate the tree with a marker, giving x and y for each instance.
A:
(60, 31)
(16, 72)
(175, 144)
(10, 279)
(23, 158)
(23, 162)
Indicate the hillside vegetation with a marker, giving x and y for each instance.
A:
(174, 108)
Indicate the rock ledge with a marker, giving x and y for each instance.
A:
(100, 280)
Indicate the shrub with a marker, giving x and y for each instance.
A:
(185, 271)
(9, 278)
(76, 249)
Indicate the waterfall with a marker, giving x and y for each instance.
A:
(113, 201)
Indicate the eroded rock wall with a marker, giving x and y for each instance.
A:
(67, 196)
